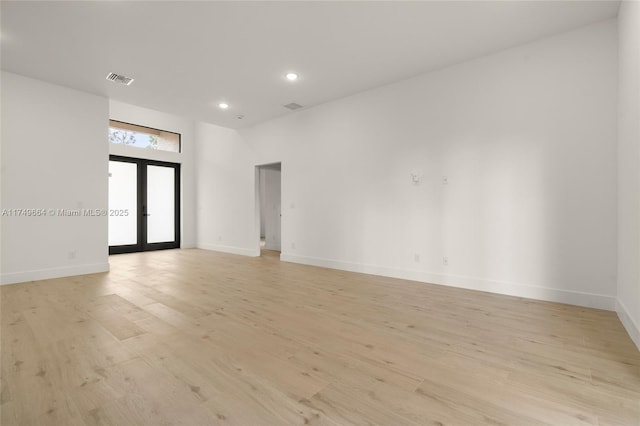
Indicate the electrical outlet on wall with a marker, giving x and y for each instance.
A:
(445, 261)
(72, 254)
(416, 178)
(416, 257)
(293, 245)
(445, 180)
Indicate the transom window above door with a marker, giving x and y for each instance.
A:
(143, 137)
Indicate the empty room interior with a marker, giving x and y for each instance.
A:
(320, 212)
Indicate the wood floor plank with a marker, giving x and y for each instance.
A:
(342, 406)
(196, 337)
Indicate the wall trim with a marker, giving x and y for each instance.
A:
(590, 300)
(46, 274)
(230, 249)
(633, 329)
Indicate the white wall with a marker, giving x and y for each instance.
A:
(262, 182)
(226, 186)
(54, 150)
(526, 138)
(159, 120)
(628, 307)
(270, 209)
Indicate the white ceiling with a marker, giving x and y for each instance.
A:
(188, 56)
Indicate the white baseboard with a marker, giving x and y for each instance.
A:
(629, 324)
(230, 249)
(46, 274)
(589, 300)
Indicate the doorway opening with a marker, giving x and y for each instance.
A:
(144, 205)
(269, 191)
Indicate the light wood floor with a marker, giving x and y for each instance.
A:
(201, 338)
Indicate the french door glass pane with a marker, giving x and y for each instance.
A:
(123, 203)
(160, 204)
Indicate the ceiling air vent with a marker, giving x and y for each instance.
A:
(117, 78)
(293, 106)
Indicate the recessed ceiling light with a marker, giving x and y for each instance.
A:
(292, 106)
(223, 105)
(292, 76)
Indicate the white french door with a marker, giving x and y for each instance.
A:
(144, 205)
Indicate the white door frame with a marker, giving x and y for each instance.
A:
(273, 165)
